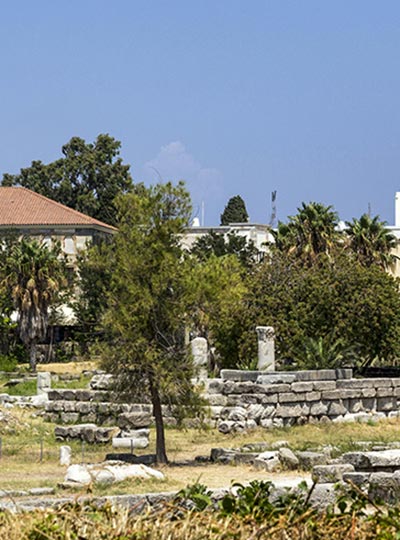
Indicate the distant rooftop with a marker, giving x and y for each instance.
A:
(22, 207)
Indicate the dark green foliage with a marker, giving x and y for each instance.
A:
(216, 289)
(34, 275)
(325, 352)
(94, 270)
(371, 242)
(87, 178)
(311, 232)
(235, 211)
(336, 297)
(148, 300)
(194, 497)
(217, 244)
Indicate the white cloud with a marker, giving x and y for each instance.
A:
(173, 162)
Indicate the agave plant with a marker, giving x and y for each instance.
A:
(325, 352)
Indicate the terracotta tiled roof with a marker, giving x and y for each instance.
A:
(20, 206)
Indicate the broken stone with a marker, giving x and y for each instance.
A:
(323, 474)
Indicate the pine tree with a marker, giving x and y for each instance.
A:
(235, 211)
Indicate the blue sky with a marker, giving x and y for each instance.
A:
(234, 97)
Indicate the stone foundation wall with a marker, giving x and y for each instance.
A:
(92, 406)
(246, 399)
(241, 400)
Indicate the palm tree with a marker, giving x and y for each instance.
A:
(371, 241)
(34, 275)
(312, 231)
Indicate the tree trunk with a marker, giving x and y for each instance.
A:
(32, 355)
(161, 455)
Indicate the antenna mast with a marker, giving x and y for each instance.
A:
(272, 221)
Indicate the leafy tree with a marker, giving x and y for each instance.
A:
(216, 289)
(94, 270)
(215, 244)
(147, 300)
(235, 211)
(371, 241)
(311, 232)
(87, 178)
(337, 298)
(35, 275)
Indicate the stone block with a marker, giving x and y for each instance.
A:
(352, 383)
(227, 454)
(43, 384)
(268, 412)
(217, 400)
(331, 394)
(349, 393)
(318, 409)
(317, 375)
(273, 388)
(239, 375)
(237, 414)
(233, 400)
(368, 392)
(130, 442)
(251, 399)
(323, 495)
(88, 418)
(54, 395)
(320, 386)
(68, 395)
(245, 387)
(225, 412)
(58, 405)
(227, 387)
(268, 461)
(384, 487)
(369, 404)
(292, 410)
(395, 382)
(323, 474)
(65, 455)
(313, 396)
(336, 408)
(69, 418)
(83, 407)
(84, 395)
(134, 420)
(269, 398)
(308, 460)
(302, 387)
(288, 458)
(245, 458)
(103, 408)
(359, 479)
(387, 460)
(214, 386)
(276, 378)
(386, 404)
(384, 391)
(355, 405)
(255, 412)
(291, 397)
(102, 381)
(70, 406)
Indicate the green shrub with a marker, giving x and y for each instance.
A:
(8, 363)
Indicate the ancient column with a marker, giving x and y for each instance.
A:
(200, 357)
(43, 382)
(266, 348)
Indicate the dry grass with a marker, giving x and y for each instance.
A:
(21, 441)
(74, 368)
